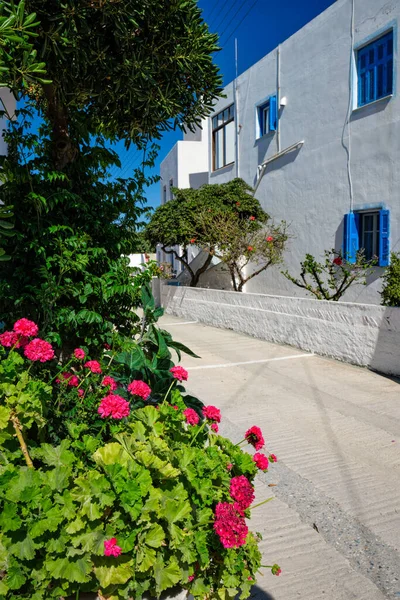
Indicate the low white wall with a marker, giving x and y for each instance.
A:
(363, 334)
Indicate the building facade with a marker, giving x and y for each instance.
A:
(314, 127)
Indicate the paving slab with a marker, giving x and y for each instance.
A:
(334, 526)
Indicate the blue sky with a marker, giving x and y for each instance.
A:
(266, 25)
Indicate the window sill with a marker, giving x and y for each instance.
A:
(365, 106)
(221, 169)
(270, 134)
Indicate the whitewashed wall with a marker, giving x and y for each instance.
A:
(362, 334)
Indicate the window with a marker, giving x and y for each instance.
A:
(266, 117)
(171, 185)
(164, 199)
(375, 70)
(368, 231)
(223, 129)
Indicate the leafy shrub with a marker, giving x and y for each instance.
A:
(113, 479)
(391, 282)
(330, 280)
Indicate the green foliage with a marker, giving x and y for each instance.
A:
(198, 217)
(149, 480)
(6, 228)
(330, 280)
(391, 282)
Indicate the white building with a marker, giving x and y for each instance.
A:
(315, 127)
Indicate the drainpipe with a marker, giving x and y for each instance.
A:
(237, 126)
(278, 98)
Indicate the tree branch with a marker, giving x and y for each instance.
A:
(18, 432)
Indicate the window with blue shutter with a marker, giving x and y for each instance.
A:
(368, 232)
(375, 70)
(266, 117)
(384, 232)
(351, 238)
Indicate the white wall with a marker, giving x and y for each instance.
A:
(309, 188)
(363, 334)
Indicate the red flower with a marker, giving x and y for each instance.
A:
(254, 437)
(109, 381)
(79, 353)
(179, 373)
(214, 427)
(191, 577)
(230, 527)
(175, 407)
(26, 328)
(113, 406)
(139, 388)
(94, 366)
(237, 203)
(242, 491)
(81, 393)
(270, 238)
(273, 458)
(229, 467)
(276, 570)
(250, 248)
(107, 346)
(38, 349)
(261, 461)
(8, 339)
(111, 548)
(192, 241)
(212, 413)
(252, 218)
(191, 416)
(338, 261)
(70, 378)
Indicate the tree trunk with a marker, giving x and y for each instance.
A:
(64, 151)
(196, 276)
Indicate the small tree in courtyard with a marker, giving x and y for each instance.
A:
(391, 282)
(330, 280)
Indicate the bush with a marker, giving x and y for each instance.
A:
(391, 282)
(113, 479)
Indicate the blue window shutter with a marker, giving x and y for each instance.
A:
(351, 239)
(272, 113)
(384, 231)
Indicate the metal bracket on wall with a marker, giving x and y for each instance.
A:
(261, 168)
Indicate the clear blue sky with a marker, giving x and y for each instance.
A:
(261, 26)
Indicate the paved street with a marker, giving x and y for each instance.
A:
(334, 526)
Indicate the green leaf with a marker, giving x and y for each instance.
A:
(177, 511)
(24, 550)
(72, 569)
(155, 536)
(15, 577)
(9, 519)
(56, 455)
(166, 576)
(115, 572)
(145, 558)
(111, 454)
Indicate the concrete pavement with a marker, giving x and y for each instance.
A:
(334, 526)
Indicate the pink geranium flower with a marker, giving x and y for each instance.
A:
(191, 416)
(111, 548)
(254, 437)
(94, 366)
(139, 388)
(214, 427)
(71, 379)
(9, 339)
(212, 413)
(39, 350)
(81, 393)
(26, 328)
(242, 491)
(261, 461)
(273, 458)
(179, 373)
(276, 570)
(229, 467)
(109, 381)
(113, 406)
(230, 526)
(79, 353)
(270, 238)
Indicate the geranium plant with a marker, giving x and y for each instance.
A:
(109, 486)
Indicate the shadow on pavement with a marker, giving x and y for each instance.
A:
(258, 594)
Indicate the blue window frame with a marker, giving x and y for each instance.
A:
(375, 70)
(368, 231)
(266, 117)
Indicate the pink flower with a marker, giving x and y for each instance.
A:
(252, 218)
(214, 427)
(139, 388)
(212, 413)
(111, 548)
(250, 248)
(273, 458)
(113, 406)
(270, 238)
(175, 407)
(193, 240)
(94, 366)
(81, 393)
(38, 349)
(191, 416)
(261, 461)
(229, 467)
(79, 353)
(9, 339)
(109, 381)
(254, 437)
(70, 378)
(276, 570)
(337, 261)
(242, 491)
(230, 527)
(191, 577)
(26, 328)
(179, 373)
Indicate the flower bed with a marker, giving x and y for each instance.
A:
(113, 480)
